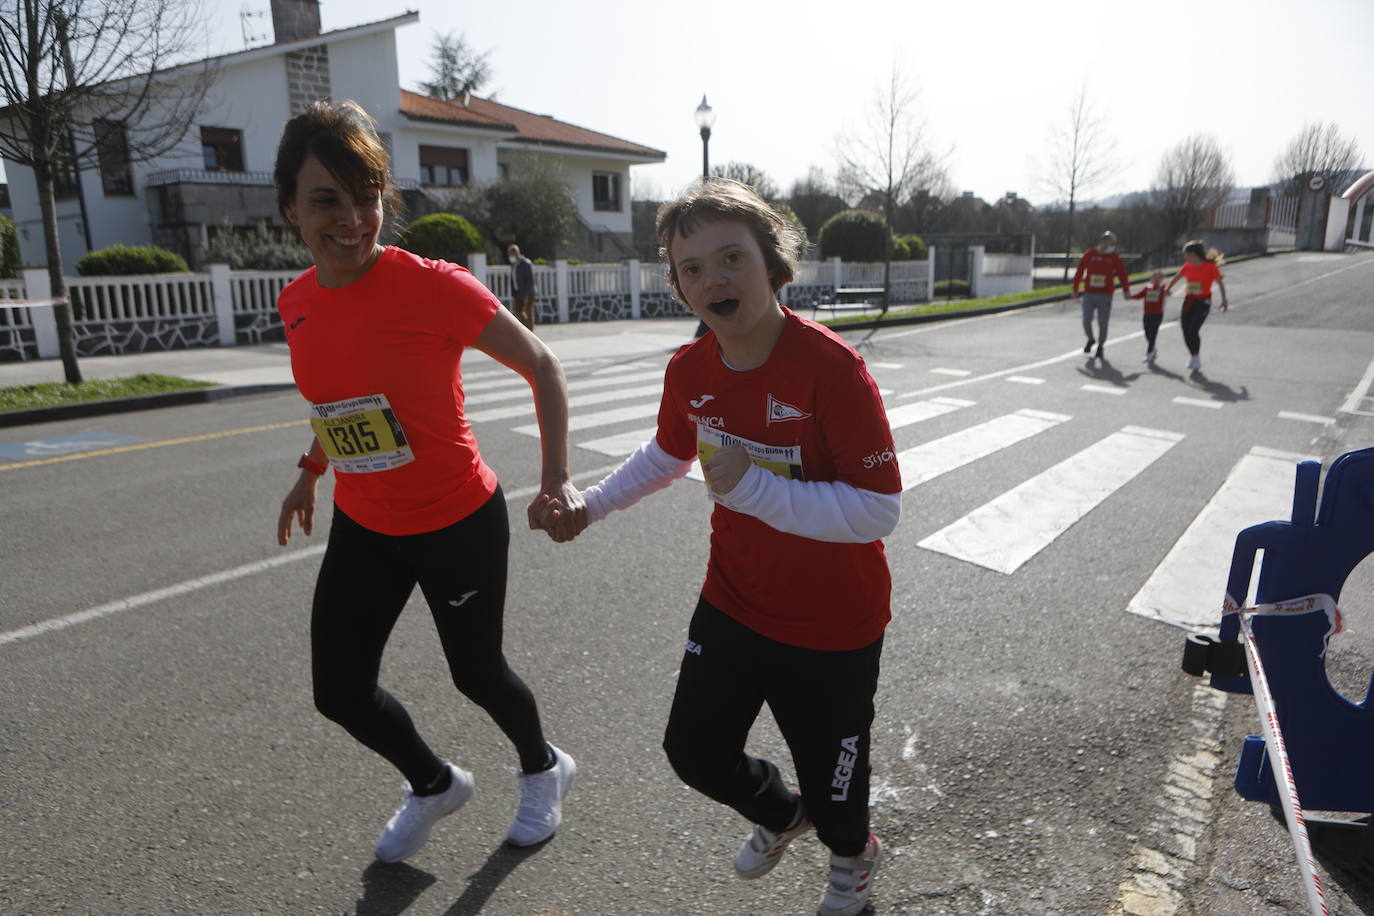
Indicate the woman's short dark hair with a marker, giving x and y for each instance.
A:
(344, 138)
(708, 199)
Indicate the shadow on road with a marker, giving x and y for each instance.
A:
(1347, 852)
(1219, 391)
(1157, 369)
(1100, 370)
(389, 890)
(503, 860)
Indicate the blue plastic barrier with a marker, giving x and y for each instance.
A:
(1330, 740)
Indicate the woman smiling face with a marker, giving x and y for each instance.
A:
(340, 230)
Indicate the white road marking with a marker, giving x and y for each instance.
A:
(1306, 417)
(1104, 389)
(1025, 380)
(1355, 402)
(621, 443)
(931, 459)
(888, 365)
(1006, 532)
(489, 396)
(961, 373)
(1187, 586)
(581, 400)
(1198, 402)
(601, 418)
(908, 414)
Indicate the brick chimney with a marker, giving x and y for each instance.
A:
(293, 19)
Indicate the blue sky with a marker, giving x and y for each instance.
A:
(788, 79)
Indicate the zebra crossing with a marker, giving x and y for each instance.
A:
(1002, 534)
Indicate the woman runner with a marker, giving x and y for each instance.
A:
(1200, 270)
(376, 337)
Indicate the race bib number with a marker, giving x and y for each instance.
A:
(361, 435)
(1154, 296)
(1194, 288)
(1097, 280)
(783, 460)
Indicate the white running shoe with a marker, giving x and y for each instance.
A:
(851, 881)
(763, 848)
(541, 801)
(1149, 356)
(1194, 363)
(409, 827)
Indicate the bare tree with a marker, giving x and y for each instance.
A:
(457, 69)
(1317, 149)
(889, 157)
(94, 83)
(815, 199)
(751, 175)
(1081, 156)
(1193, 178)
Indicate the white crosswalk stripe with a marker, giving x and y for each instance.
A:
(600, 418)
(1006, 532)
(931, 459)
(521, 388)
(915, 412)
(621, 443)
(582, 400)
(1187, 587)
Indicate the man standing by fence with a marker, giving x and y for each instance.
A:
(521, 286)
(1098, 271)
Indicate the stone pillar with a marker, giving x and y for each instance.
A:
(477, 264)
(837, 271)
(222, 298)
(975, 271)
(636, 277)
(37, 287)
(560, 268)
(1312, 209)
(930, 273)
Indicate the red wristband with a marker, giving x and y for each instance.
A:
(315, 467)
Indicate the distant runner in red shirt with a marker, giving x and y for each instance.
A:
(377, 335)
(794, 442)
(1200, 270)
(1154, 296)
(1098, 270)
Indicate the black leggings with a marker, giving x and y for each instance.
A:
(822, 702)
(365, 581)
(1194, 314)
(1152, 323)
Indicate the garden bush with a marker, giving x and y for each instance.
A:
(260, 250)
(854, 235)
(444, 236)
(123, 260)
(909, 248)
(9, 248)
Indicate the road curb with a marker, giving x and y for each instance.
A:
(30, 416)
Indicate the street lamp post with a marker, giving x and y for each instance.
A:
(705, 117)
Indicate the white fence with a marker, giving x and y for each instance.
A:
(223, 307)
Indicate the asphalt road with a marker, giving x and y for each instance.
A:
(164, 756)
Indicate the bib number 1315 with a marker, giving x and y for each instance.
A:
(361, 435)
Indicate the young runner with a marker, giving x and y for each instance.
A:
(376, 337)
(1154, 296)
(1201, 269)
(1098, 270)
(794, 441)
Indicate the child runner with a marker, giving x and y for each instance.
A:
(1154, 296)
(1098, 270)
(1200, 270)
(376, 337)
(794, 441)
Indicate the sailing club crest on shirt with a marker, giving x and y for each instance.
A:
(781, 411)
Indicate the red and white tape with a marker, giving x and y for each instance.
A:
(1278, 752)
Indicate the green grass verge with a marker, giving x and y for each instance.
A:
(52, 394)
(955, 306)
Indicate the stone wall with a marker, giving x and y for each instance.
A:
(307, 76)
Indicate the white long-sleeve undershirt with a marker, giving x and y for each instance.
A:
(821, 510)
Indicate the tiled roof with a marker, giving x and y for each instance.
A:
(534, 129)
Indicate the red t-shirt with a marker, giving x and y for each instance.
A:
(1098, 272)
(1154, 298)
(388, 345)
(815, 404)
(1200, 278)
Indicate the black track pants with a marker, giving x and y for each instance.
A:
(822, 702)
(364, 583)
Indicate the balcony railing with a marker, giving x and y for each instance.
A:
(256, 179)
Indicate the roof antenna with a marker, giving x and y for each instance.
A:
(249, 36)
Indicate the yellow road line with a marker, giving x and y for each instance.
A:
(142, 445)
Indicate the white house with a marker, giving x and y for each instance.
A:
(221, 173)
